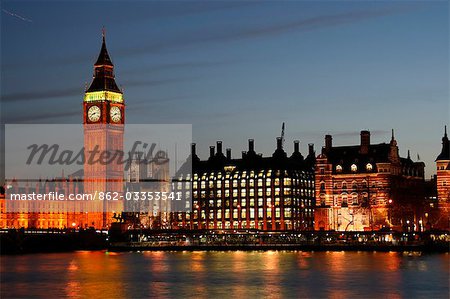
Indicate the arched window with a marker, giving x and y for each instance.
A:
(344, 201)
(354, 168)
(369, 167)
(338, 168)
(322, 186)
(344, 185)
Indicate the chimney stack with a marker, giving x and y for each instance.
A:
(365, 142)
(229, 153)
(193, 151)
(328, 142)
(219, 147)
(211, 151)
(296, 146)
(311, 149)
(251, 145)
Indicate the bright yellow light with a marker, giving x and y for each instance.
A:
(111, 96)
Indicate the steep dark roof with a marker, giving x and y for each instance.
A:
(103, 73)
(445, 152)
(103, 57)
(103, 84)
(348, 155)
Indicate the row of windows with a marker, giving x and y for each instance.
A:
(354, 168)
(243, 213)
(251, 174)
(261, 202)
(251, 183)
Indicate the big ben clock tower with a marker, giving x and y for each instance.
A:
(103, 120)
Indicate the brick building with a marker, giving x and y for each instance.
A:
(367, 187)
(442, 220)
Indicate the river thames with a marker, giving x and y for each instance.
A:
(275, 274)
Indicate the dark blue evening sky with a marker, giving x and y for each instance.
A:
(237, 70)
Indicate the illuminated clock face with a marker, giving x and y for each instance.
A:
(94, 113)
(115, 114)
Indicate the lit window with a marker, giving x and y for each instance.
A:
(354, 168)
(339, 168)
(260, 202)
(260, 213)
(277, 191)
(369, 167)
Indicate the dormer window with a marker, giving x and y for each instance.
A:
(354, 168)
(338, 168)
(369, 167)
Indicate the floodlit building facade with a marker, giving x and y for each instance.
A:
(368, 187)
(253, 192)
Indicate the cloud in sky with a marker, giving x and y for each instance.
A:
(76, 91)
(228, 34)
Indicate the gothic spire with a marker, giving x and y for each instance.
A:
(103, 71)
(445, 152)
(103, 57)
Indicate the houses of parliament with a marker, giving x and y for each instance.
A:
(357, 187)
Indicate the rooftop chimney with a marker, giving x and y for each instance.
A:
(328, 142)
(229, 153)
(365, 142)
(219, 147)
(193, 151)
(211, 151)
(296, 146)
(251, 145)
(311, 149)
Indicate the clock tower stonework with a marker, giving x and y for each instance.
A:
(103, 120)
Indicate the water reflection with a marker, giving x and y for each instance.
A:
(238, 274)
